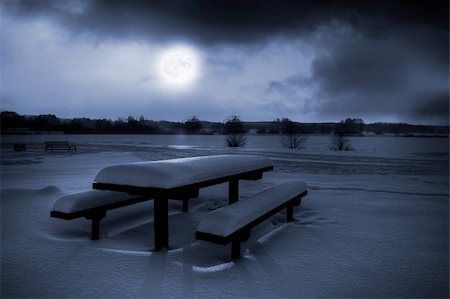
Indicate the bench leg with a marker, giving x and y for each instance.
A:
(95, 226)
(233, 191)
(161, 223)
(95, 233)
(235, 249)
(185, 205)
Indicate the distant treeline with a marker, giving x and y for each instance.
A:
(13, 123)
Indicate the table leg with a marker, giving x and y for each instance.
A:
(233, 191)
(96, 218)
(161, 223)
(186, 205)
(235, 249)
(289, 213)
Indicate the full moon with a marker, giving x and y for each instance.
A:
(179, 66)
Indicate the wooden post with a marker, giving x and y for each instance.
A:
(289, 213)
(186, 205)
(235, 249)
(233, 191)
(95, 232)
(245, 235)
(96, 217)
(161, 223)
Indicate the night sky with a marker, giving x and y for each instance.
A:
(311, 61)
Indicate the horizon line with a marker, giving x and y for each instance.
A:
(223, 121)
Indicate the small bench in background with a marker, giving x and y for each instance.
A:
(234, 222)
(59, 145)
(19, 147)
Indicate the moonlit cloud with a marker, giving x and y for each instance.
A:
(261, 60)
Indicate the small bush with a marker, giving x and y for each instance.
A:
(339, 143)
(234, 130)
(293, 141)
(235, 140)
(292, 137)
(339, 140)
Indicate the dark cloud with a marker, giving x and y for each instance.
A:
(403, 75)
(433, 107)
(285, 89)
(227, 21)
(361, 67)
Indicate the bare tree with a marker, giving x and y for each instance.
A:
(292, 137)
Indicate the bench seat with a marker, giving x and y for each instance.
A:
(233, 223)
(81, 201)
(92, 205)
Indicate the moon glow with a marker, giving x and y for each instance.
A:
(179, 67)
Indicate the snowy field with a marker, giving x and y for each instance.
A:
(374, 224)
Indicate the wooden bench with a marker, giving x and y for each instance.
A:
(92, 205)
(234, 222)
(59, 145)
(19, 147)
(179, 179)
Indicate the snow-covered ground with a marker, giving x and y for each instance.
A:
(374, 224)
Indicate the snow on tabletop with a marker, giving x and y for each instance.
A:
(178, 172)
(88, 199)
(228, 219)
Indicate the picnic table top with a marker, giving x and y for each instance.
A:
(178, 173)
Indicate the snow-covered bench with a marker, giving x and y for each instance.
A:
(161, 180)
(91, 205)
(234, 222)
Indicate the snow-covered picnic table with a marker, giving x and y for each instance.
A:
(179, 179)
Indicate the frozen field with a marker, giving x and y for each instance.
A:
(374, 224)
